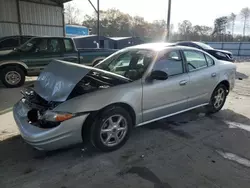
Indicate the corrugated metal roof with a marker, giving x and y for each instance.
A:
(8, 10)
(8, 29)
(55, 2)
(42, 30)
(41, 14)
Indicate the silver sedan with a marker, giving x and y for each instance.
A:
(72, 103)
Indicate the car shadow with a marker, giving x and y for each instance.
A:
(241, 76)
(9, 96)
(17, 156)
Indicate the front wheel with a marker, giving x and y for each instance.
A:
(111, 129)
(218, 99)
(12, 77)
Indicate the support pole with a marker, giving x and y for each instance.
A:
(98, 22)
(168, 20)
(19, 19)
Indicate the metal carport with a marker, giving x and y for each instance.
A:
(32, 17)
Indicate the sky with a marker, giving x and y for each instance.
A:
(202, 12)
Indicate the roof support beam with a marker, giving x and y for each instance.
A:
(19, 18)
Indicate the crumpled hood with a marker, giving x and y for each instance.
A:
(58, 80)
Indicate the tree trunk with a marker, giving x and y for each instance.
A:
(244, 28)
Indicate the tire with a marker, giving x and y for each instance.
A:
(102, 122)
(15, 71)
(215, 106)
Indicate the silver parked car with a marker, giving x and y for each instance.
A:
(134, 86)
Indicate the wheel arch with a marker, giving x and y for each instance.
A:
(226, 84)
(21, 65)
(91, 117)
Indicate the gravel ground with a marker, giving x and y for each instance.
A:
(188, 150)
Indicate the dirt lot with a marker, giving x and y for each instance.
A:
(188, 150)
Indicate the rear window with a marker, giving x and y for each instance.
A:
(8, 43)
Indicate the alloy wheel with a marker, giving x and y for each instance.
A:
(113, 130)
(219, 98)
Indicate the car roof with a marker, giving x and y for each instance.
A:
(185, 42)
(152, 46)
(161, 46)
(52, 37)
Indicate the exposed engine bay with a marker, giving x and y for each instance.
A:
(38, 107)
(91, 82)
(94, 81)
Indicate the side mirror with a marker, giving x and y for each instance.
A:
(158, 75)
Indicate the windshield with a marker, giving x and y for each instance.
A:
(131, 64)
(204, 46)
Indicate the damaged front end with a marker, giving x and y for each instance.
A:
(38, 107)
(60, 82)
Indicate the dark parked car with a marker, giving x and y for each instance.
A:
(219, 54)
(11, 42)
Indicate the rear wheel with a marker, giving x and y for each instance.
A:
(218, 99)
(12, 77)
(111, 129)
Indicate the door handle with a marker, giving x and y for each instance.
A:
(213, 74)
(183, 82)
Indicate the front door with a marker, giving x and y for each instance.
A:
(42, 53)
(203, 77)
(162, 98)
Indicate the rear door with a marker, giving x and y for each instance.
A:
(203, 76)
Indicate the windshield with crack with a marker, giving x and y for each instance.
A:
(131, 64)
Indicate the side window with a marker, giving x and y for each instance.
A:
(195, 60)
(54, 46)
(48, 46)
(41, 46)
(8, 43)
(68, 45)
(210, 61)
(170, 62)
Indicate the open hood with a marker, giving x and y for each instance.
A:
(58, 80)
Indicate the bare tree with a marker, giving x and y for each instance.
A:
(71, 13)
(245, 15)
(231, 22)
(220, 25)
